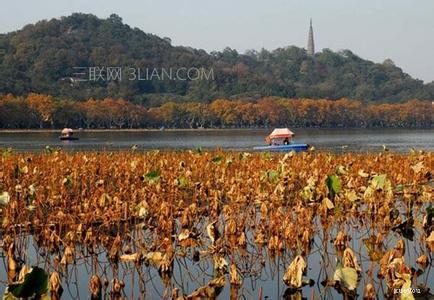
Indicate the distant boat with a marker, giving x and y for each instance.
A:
(67, 135)
(281, 140)
(283, 148)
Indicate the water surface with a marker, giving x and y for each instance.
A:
(232, 139)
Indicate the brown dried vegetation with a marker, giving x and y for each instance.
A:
(152, 208)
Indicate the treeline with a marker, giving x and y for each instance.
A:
(43, 111)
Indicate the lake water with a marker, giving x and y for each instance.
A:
(261, 273)
(232, 139)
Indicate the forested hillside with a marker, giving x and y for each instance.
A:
(42, 58)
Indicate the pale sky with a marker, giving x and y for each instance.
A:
(402, 30)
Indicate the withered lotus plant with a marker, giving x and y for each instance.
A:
(214, 207)
(293, 276)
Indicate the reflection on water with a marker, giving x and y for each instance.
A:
(260, 268)
(246, 139)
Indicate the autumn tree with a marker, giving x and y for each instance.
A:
(36, 111)
(42, 108)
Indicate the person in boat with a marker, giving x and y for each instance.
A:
(280, 139)
(279, 136)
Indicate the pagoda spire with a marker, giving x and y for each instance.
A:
(310, 42)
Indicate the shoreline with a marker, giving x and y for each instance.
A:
(46, 130)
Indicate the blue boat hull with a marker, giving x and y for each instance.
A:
(285, 148)
(68, 138)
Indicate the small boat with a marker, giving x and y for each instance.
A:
(281, 140)
(287, 148)
(67, 135)
(68, 138)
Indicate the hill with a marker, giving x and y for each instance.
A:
(43, 58)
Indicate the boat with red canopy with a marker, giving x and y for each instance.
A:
(67, 135)
(280, 139)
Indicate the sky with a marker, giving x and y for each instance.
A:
(402, 30)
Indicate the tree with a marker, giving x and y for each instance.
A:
(42, 108)
(68, 114)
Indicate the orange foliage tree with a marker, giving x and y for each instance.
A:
(45, 111)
